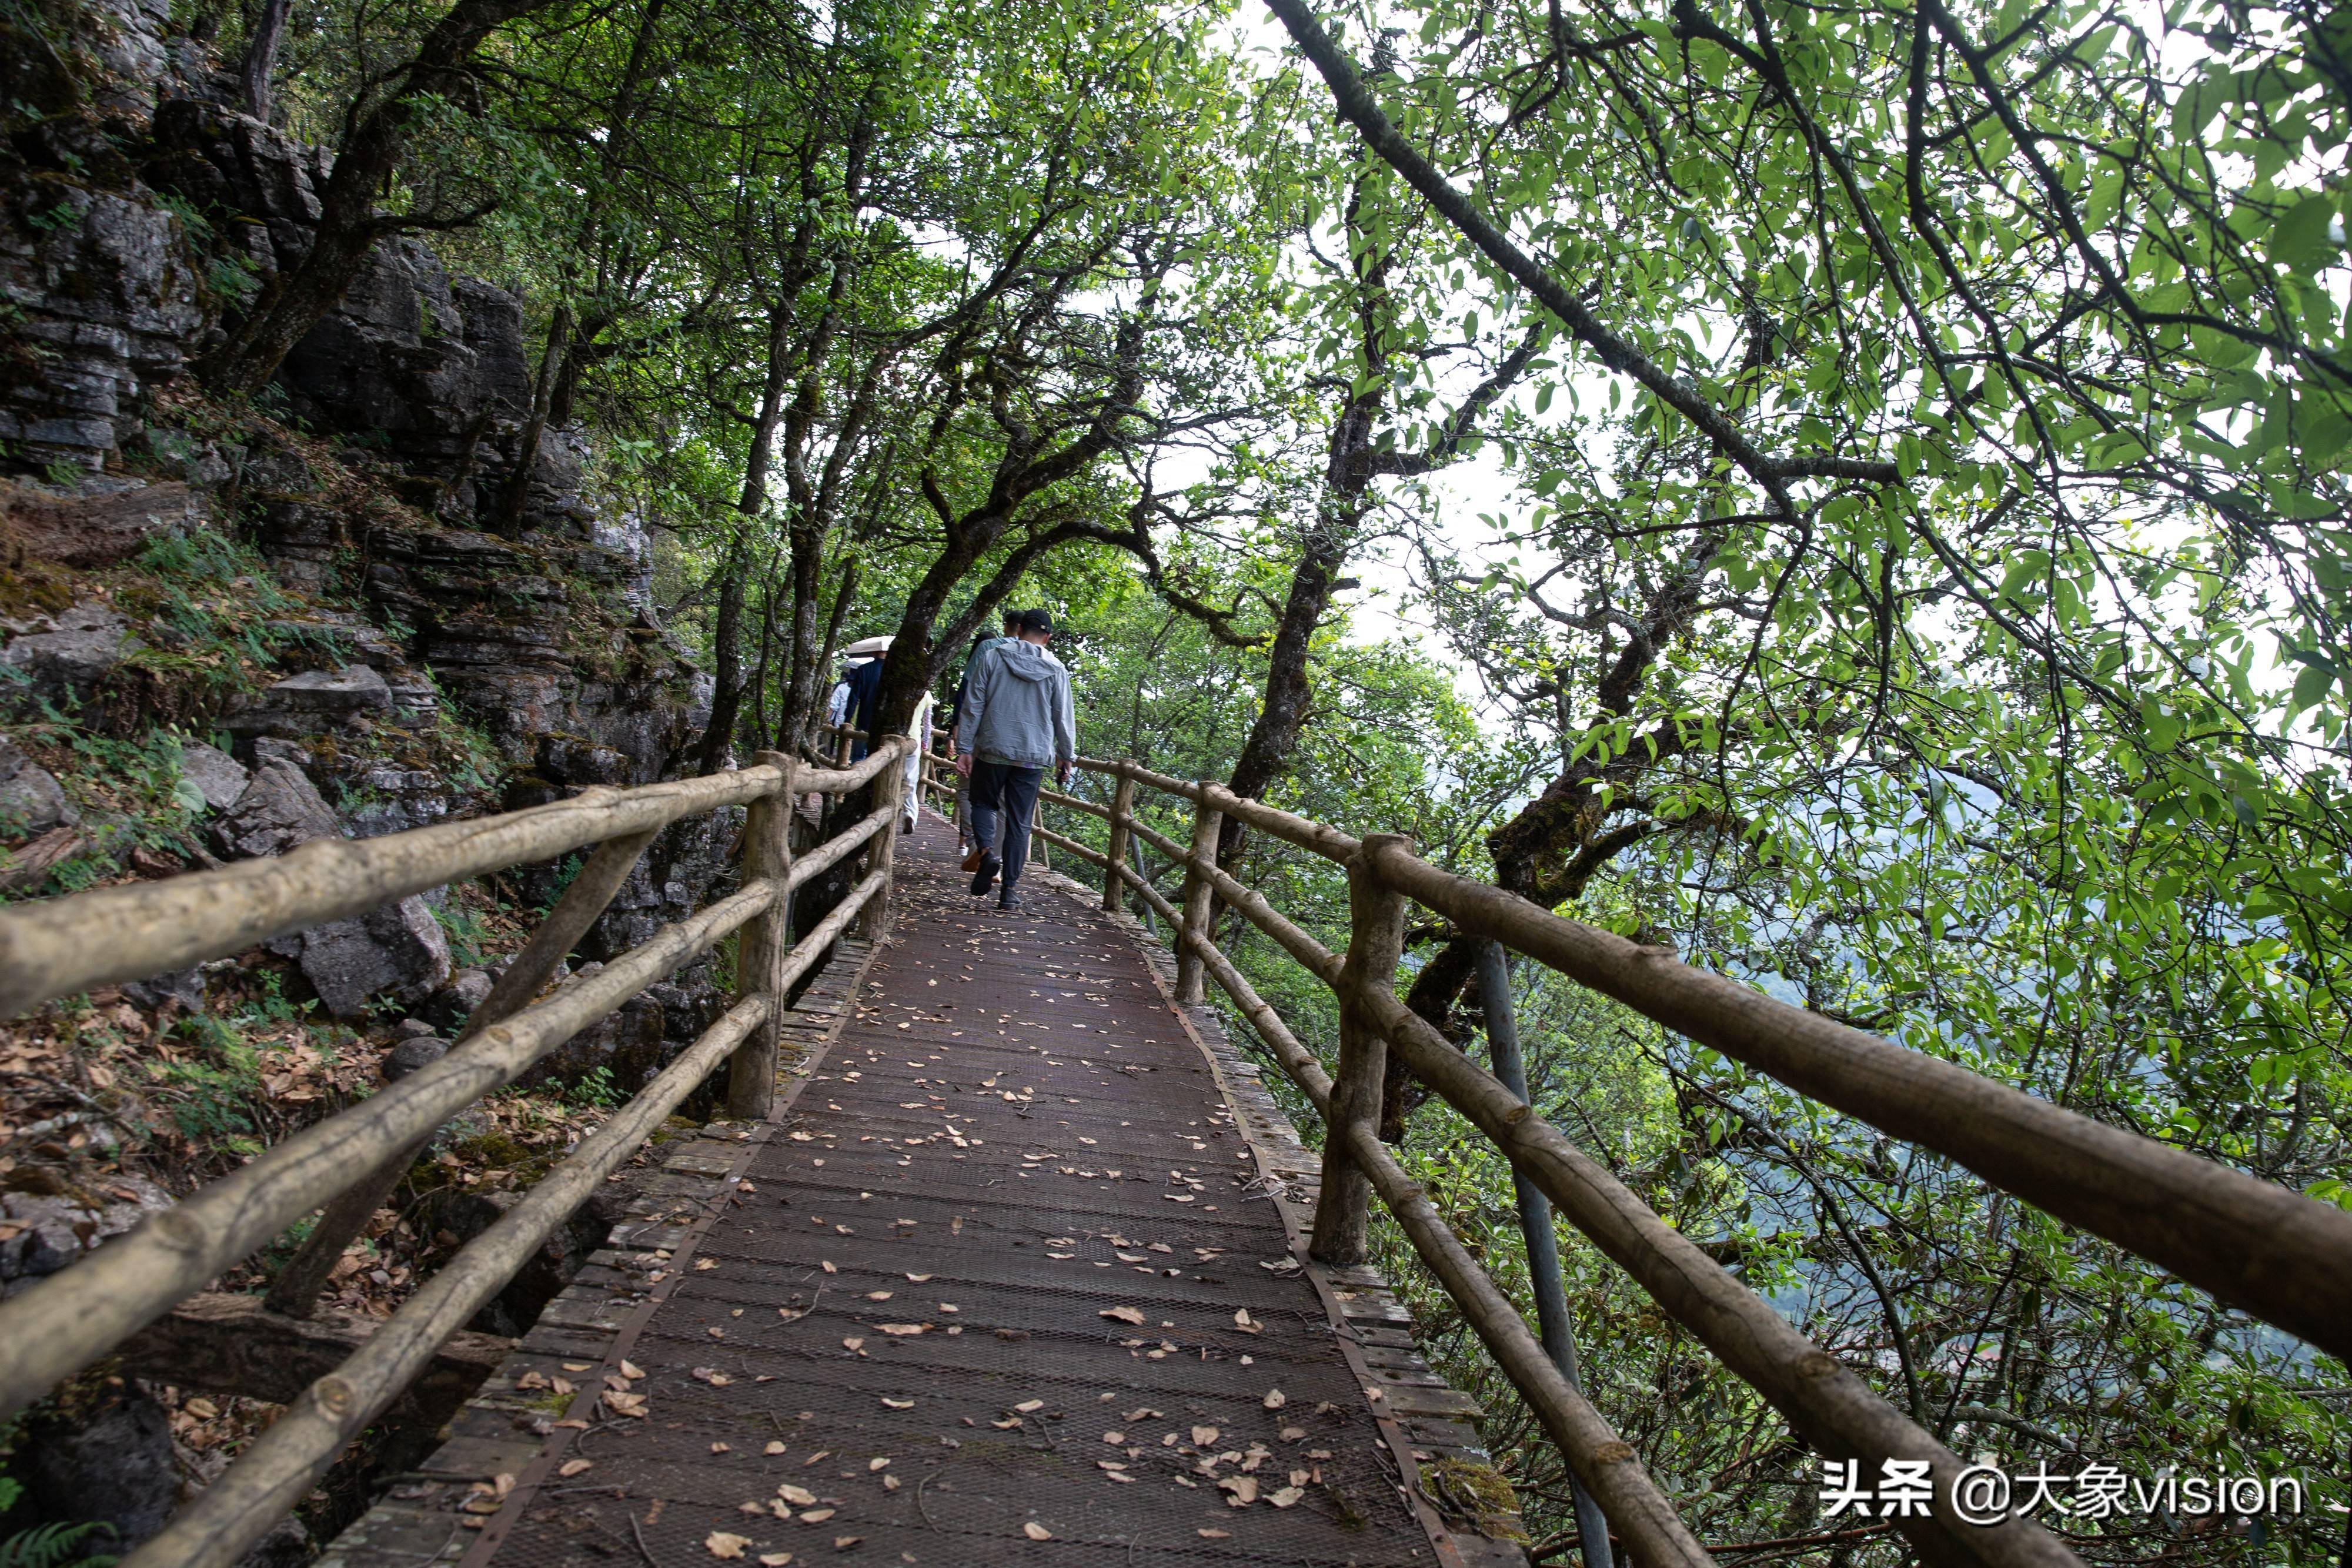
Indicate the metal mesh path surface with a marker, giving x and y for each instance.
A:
(996, 1291)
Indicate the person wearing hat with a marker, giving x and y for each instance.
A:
(862, 710)
(865, 689)
(1015, 719)
(967, 845)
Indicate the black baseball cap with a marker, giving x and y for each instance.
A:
(1036, 620)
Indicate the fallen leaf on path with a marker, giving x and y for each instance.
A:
(1285, 1497)
(571, 1468)
(1204, 1435)
(902, 1330)
(1215, 1534)
(818, 1515)
(773, 1446)
(799, 1497)
(852, 1342)
(721, 1544)
(891, 1403)
(775, 1559)
(1028, 1405)
(632, 1371)
(1244, 1321)
(1243, 1491)
(1276, 1399)
(1124, 1314)
(1036, 1531)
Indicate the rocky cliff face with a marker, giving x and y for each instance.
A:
(405, 662)
(226, 630)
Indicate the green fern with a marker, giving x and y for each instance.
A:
(54, 1546)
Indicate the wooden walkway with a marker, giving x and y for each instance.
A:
(1005, 1282)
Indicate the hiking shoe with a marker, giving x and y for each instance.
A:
(985, 877)
(1010, 903)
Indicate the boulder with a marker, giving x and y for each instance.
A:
(185, 986)
(103, 523)
(219, 778)
(416, 1052)
(111, 1462)
(65, 657)
(348, 690)
(269, 748)
(280, 809)
(41, 1233)
(31, 800)
(307, 704)
(398, 949)
(398, 799)
(453, 1004)
(106, 306)
(258, 183)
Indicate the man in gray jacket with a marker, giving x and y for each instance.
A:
(1016, 718)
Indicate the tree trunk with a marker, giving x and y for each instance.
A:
(347, 226)
(1266, 754)
(726, 634)
(542, 397)
(592, 324)
(261, 58)
(727, 638)
(762, 738)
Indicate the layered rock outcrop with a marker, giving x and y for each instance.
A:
(436, 583)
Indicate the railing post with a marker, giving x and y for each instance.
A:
(763, 945)
(1536, 1226)
(1199, 898)
(1122, 811)
(294, 1291)
(1375, 942)
(890, 789)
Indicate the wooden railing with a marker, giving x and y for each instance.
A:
(2281, 1257)
(353, 1160)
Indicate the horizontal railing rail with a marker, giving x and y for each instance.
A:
(2277, 1254)
(356, 1158)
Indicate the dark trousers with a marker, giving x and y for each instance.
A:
(999, 790)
